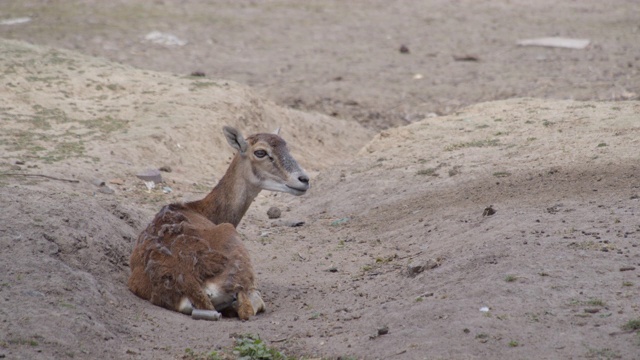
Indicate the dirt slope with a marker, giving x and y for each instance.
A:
(343, 58)
(548, 265)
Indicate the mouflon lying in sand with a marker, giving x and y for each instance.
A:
(191, 256)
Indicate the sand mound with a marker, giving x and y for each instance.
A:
(399, 237)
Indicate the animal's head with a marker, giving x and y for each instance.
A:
(272, 166)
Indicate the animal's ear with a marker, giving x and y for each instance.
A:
(277, 131)
(235, 139)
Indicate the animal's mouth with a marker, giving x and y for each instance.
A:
(298, 191)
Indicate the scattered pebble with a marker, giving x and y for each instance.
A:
(404, 49)
(198, 74)
(383, 330)
(415, 268)
(19, 162)
(340, 221)
(484, 309)
(558, 42)
(488, 211)
(150, 175)
(274, 213)
(627, 268)
(15, 21)
(167, 190)
(106, 190)
(165, 168)
(465, 58)
(116, 181)
(150, 185)
(333, 269)
(591, 310)
(165, 39)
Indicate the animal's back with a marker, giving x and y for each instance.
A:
(179, 252)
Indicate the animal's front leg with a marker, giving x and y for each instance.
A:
(244, 306)
(256, 301)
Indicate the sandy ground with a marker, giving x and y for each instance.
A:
(398, 233)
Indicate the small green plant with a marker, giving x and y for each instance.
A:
(314, 316)
(190, 354)
(429, 172)
(501, 174)
(513, 343)
(482, 337)
(596, 302)
(632, 325)
(510, 278)
(251, 347)
(547, 123)
(477, 143)
(602, 145)
(605, 353)
(627, 283)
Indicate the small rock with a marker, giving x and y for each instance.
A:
(150, 175)
(383, 330)
(287, 223)
(274, 213)
(167, 190)
(165, 168)
(415, 268)
(333, 269)
(116, 181)
(627, 268)
(33, 293)
(465, 58)
(19, 162)
(340, 221)
(150, 185)
(419, 266)
(106, 190)
(591, 310)
(98, 182)
(198, 74)
(488, 211)
(404, 49)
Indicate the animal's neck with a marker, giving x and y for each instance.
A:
(231, 198)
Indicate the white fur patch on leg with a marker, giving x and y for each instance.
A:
(256, 302)
(185, 306)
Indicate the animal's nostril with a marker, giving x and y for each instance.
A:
(303, 179)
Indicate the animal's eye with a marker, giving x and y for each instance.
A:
(260, 153)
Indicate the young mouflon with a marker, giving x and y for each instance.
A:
(191, 256)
